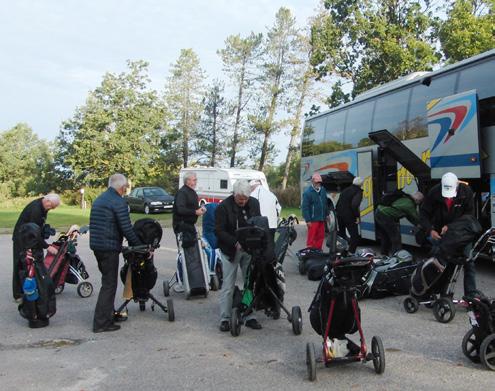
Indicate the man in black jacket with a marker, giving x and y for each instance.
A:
(445, 203)
(231, 214)
(186, 211)
(348, 212)
(35, 212)
(109, 223)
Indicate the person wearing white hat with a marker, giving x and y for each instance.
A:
(445, 203)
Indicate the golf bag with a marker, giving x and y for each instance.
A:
(38, 302)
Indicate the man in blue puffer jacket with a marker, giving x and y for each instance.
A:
(109, 223)
(315, 211)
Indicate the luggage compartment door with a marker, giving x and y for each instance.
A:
(367, 225)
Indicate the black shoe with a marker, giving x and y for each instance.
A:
(112, 327)
(253, 324)
(224, 325)
(120, 316)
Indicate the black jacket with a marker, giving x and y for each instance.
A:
(185, 206)
(348, 203)
(228, 217)
(109, 223)
(433, 213)
(32, 213)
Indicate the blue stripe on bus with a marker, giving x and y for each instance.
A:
(404, 229)
(469, 159)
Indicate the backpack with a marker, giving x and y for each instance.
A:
(390, 197)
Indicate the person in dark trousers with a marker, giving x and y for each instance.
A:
(231, 214)
(444, 203)
(186, 211)
(348, 212)
(387, 219)
(109, 223)
(35, 212)
(314, 209)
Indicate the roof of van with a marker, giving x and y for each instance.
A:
(233, 171)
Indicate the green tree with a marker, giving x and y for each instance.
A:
(184, 94)
(26, 163)
(280, 47)
(121, 128)
(468, 30)
(370, 42)
(211, 139)
(239, 58)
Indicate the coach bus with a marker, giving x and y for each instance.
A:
(445, 117)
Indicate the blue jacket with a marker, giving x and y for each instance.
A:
(314, 204)
(109, 223)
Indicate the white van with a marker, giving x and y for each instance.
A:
(216, 184)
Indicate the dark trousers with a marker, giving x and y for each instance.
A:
(352, 227)
(388, 230)
(16, 268)
(108, 264)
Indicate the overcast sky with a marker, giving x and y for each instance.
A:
(54, 51)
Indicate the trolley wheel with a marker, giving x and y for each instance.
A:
(487, 352)
(378, 354)
(296, 320)
(469, 346)
(85, 289)
(411, 305)
(142, 306)
(59, 289)
(214, 283)
(235, 322)
(311, 361)
(166, 289)
(302, 268)
(444, 310)
(170, 310)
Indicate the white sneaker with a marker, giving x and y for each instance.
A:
(178, 288)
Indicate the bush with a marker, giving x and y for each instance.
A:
(290, 197)
(73, 197)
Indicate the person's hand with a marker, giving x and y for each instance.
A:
(435, 235)
(52, 250)
(200, 211)
(308, 224)
(150, 254)
(444, 229)
(238, 247)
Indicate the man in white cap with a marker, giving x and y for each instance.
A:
(348, 212)
(269, 205)
(445, 203)
(315, 210)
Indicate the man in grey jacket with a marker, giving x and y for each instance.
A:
(109, 223)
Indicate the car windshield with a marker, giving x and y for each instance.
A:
(155, 191)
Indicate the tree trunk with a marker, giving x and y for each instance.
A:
(235, 139)
(294, 134)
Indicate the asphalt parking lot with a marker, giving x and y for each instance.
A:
(151, 353)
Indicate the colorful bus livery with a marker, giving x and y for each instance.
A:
(445, 119)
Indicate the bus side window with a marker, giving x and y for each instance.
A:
(391, 113)
(358, 125)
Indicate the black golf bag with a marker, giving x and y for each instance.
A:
(285, 235)
(143, 270)
(38, 302)
(389, 276)
(339, 282)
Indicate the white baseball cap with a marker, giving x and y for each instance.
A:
(449, 185)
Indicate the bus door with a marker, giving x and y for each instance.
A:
(364, 165)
